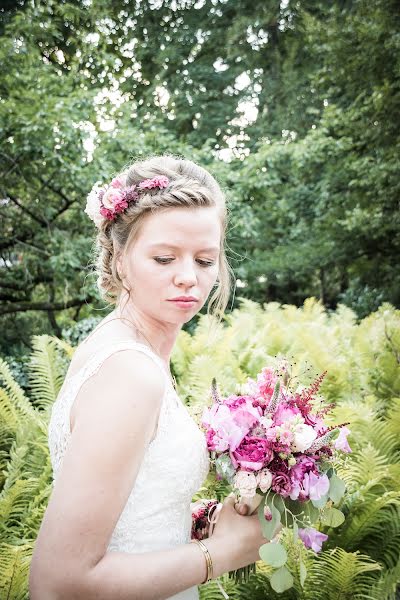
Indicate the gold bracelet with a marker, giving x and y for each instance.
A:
(208, 560)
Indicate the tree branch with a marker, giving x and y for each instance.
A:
(46, 306)
(26, 210)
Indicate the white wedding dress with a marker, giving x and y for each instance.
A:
(157, 515)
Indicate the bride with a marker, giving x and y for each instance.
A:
(127, 457)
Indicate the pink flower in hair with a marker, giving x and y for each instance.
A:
(112, 198)
(117, 182)
(159, 181)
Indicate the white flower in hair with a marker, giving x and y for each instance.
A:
(93, 204)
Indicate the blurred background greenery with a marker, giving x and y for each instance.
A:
(293, 106)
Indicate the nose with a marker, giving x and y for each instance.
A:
(186, 274)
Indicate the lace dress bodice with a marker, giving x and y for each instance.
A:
(157, 514)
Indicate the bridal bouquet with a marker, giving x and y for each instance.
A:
(270, 443)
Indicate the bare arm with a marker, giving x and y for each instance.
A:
(116, 414)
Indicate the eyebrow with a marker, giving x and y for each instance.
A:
(165, 245)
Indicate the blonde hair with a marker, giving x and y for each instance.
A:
(190, 186)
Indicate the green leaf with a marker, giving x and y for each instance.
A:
(278, 502)
(269, 527)
(303, 573)
(336, 488)
(281, 580)
(273, 554)
(321, 502)
(332, 517)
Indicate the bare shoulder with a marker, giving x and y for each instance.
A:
(125, 380)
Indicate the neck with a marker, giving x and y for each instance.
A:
(160, 336)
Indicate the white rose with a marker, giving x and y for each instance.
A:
(246, 483)
(93, 204)
(304, 435)
(264, 480)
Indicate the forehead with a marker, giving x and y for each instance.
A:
(192, 227)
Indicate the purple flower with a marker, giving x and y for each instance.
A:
(312, 538)
(318, 486)
(312, 486)
(341, 442)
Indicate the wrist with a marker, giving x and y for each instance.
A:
(219, 557)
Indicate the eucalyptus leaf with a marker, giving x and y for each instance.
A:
(321, 502)
(336, 488)
(281, 580)
(273, 554)
(303, 573)
(269, 527)
(332, 517)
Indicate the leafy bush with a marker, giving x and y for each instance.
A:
(363, 381)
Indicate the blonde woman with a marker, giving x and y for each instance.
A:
(126, 455)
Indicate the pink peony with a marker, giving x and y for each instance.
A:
(341, 442)
(246, 415)
(285, 413)
(107, 213)
(226, 433)
(252, 454)
(312, 538)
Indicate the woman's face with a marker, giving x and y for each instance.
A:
(175, 254)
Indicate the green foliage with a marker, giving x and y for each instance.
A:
(365, 563)
(313, 181)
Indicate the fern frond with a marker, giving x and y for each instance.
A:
(14, 570)
(46, 371)
(15, 393)
(345, 575)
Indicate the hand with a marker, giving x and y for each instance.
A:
(240, 538)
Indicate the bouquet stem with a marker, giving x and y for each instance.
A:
(242, 575)
(253, 502)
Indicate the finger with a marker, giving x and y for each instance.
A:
(242, 509)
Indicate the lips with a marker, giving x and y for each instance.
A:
(184, 299)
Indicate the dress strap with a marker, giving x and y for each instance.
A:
(98, 358)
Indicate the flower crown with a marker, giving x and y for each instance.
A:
(106, 202)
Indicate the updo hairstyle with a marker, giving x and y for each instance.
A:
(190, 186)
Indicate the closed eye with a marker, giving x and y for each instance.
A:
(166, 261)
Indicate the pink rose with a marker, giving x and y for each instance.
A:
(113, 198)
(281, 483)
(253, 453)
